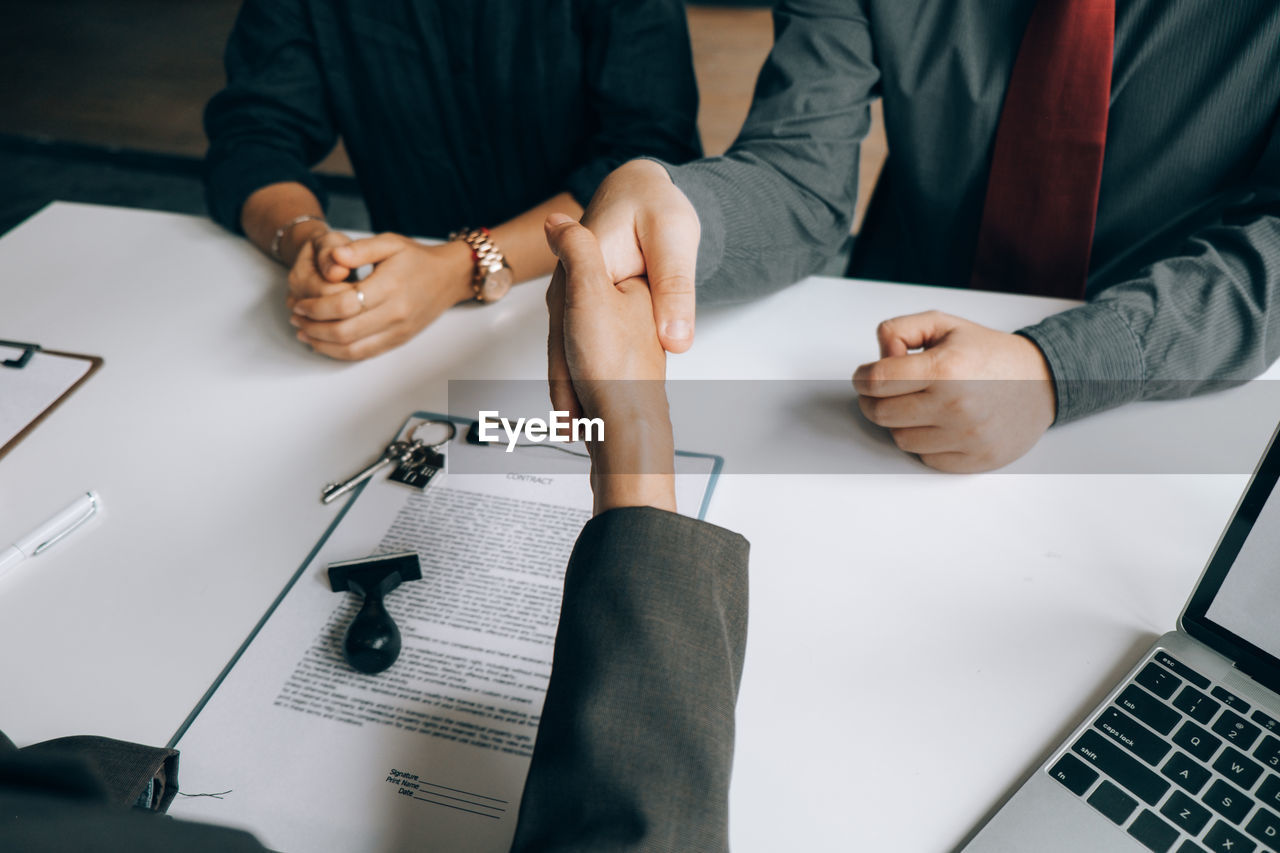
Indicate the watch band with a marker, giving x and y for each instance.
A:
(486, 254)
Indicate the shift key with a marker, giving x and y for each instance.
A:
(1128, 732)
(1122, 767)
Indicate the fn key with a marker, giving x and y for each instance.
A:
(1073, 773)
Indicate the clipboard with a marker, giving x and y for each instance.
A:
(714, 463)
(311, 756)
(33, 382)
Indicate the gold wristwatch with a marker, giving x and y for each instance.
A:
(492, 278)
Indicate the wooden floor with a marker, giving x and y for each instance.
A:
(136, 73)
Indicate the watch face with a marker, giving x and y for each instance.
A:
(495, 285)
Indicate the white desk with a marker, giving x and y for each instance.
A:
(914, 637)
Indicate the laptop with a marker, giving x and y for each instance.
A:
(1183, 756)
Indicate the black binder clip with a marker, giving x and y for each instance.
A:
(19, 362)
(372, 641)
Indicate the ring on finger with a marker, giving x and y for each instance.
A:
(360, 298)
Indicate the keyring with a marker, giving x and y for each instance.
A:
(417, 461)
(418, 433)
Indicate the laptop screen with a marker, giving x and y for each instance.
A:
(1235, 609)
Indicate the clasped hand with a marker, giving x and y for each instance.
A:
(410, 286)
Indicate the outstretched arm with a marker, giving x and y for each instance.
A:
(635, 745)
(773, 209)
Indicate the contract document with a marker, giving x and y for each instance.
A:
(295, 746)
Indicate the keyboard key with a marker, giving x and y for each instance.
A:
(1186, 813)
(1234, 766)
(1186, 772)
(1179, 668)
(1154, 833)
(1190, 847)
(1114, 803)
(1231, 700)
(1236, 729)
(1271, 724)
(1227, 801)
(1197, 741)
(1265, 826)
(1269, 792)
(1268, 752)
(1159, 681)
(1122, 767)
(1223, 837)
(1073, 773)
(1127, 731)
(1196, 705)
(1149, 709)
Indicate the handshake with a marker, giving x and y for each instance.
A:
(623, 296)
(608, 363)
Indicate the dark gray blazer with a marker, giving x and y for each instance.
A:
(636, 740)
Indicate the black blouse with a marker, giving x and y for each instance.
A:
(453, 113)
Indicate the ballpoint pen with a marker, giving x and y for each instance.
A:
(51, 532)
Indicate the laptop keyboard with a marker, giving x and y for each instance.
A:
(1181, 764)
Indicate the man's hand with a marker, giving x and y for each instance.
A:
(615, 368)
(410, 286)
(972, 399)
(646, 228)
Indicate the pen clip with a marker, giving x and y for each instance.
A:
(79, 522)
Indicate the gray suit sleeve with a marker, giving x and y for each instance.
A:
(1205, 314)
(635, 744)
(779, 204)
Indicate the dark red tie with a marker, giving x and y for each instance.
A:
(1042, 196)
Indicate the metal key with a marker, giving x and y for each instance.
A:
(397, 452)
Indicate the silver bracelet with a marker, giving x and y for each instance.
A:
(284, 229)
